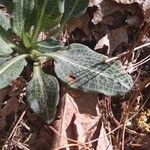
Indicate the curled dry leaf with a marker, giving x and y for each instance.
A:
(86, 128)
(113, 39)
(72, 124)
(63, 125)
(107, 11)
(80, 22)
(103, 142)
(144, 4)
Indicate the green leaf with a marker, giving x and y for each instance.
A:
(7, 3)
(26, 40)
(82, 68)
(6, 45)
(74, 8)
(49, 45)
(4, 59)
(48, 14)
(4, 21)
(21, 11)
(43, 94)
(52, 15)
(4, 48)
(11, 69)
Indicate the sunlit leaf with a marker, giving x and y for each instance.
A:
(21, 11)
(11, 69)
(4, 21)
(4, 48)
(43, 94)
(50, 12)
(4, 59)
(82, 68)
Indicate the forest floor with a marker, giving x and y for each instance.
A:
(90, 121)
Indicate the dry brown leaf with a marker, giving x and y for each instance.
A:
(3, 94)
(145, 5)
(72, 122)
(103, 142)
(113, 39)
(103, 42)
(86, 128)
(94, 2)
(80, 22)
(86, 102)
(11, 106)
(107, 11)
(41, 140)
(64, 124)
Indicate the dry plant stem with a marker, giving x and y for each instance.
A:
(71, 140)
(145, 28)
(143, 61)
(69, 145)
(15, 127)
(20, 145)
(123, 54)
(125, 117)
(95, 140)
(139, 108)
(107, 114)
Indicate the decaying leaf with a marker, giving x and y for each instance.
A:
(107, 10)
(144, 4)
(81, 127)
(64, 124)
(86, 128)
(11, 107)
(103, 142)
(80, 22)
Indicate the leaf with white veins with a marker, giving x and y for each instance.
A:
(11, 69)
(82, 68)
(21, 11)
(4, 21)
(49, 45)
(43, 94)
(4, 48)
(74, 8)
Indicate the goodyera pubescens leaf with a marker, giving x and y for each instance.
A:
(11, 69)
(22, 9)
(49, 45)
(74, 8)
(82, 68)
(43, 94)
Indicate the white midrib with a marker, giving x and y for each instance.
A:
(91, 70)
(11, 63)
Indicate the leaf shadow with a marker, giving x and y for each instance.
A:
(80, 75)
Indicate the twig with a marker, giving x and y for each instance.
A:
(69, 139)
(133, 99)
(122, 54)
(14, 128)
(69, 145)
(95, 140)
(20, 145)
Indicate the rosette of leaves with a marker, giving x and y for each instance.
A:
(76, 64)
